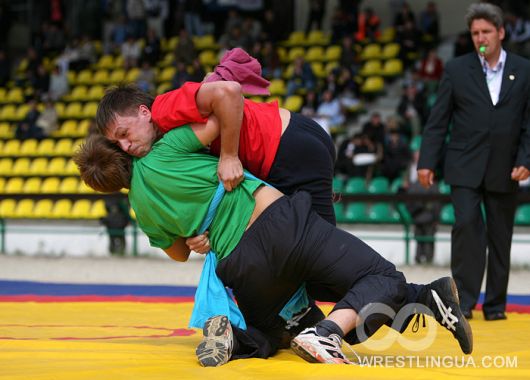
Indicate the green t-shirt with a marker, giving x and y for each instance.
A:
(171, 190)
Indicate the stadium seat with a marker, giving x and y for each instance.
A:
(132, 75)
(293, 103)
(11, 148)
(95, 92)
(338, 207)
(73, 111)
(415, 143)
(32, 185)
(2, 185)
(318, 69)
(278, 99)
(208, 58)
(84, 189)
(78, 94)
(80, 209)
(294, 53)
(166, 75)
(373, 85)
(378, 185)
(43, 209)
(89, 110)
(355, 212)
(15, 95)
(333, 53)
(387, 35)
(444, 188)
(522, 215)
(314, 54)
(396, 185)
(296, 38)
(62, 208)
(14, 185)
(28, 147)
(85, 77)
(63, 147)
(98, 209)
(168, 60)
(382, 213)
(3, 93)
(50, 185)
(59, 108)
(46, 147)
(330, 66)
(172, 43)
(355, 185)
(24, 208)
(6, 131)
(21, 112)
(390, 50)
(277, 87)
(204, 42)
(21, 166)
(392, 68)
(163, 87)
(371, 51)
(106, 62)
(69, 185)
(371, 67)
(447, 214)
(318, 37)
(7, 208)
(71, 168)
(6, 166)
(39, 166)
(8, 113)
(338, 184)
(56, 166)
(115, 77)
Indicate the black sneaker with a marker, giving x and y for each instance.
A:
(442, 299)
(216, 347)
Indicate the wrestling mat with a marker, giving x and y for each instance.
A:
(74, 332)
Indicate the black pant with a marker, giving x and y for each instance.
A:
(304, 161)
(471, 236)
(289, 245)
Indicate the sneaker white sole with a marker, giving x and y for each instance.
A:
(213, 350)
(307, 352)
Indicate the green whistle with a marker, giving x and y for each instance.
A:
(482, 49)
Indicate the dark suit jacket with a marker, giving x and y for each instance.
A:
(486, 140)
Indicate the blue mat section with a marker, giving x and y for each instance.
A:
(57, 289)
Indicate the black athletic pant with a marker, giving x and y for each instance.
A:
(305, 160)
(289, 245)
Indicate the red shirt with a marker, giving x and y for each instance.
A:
(260, 133)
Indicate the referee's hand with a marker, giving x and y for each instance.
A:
(426, 177)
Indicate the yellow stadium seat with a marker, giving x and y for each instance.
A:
(387, 35)
(390, 50)
(208, 58)
(277, 87)
(314, 54)
(6, 166)
(6, 131)
(318, 37)
(373, 85)
(43, 209)
(59, 107)
(21, 166)
(21, 112)
(293, 103)
(15, 95)
(163, 87)
(172, 43)
(46, 148)
(78, 94)
(318, 69)
(72, 77)
(71, 168)
(3, 93)
(166, 75)
(7, 208)
(29, 147)
(393, 68)
(50, 185)
(96, 92)
(32, 185)
(81, 209)
(205, 42)
(294, 53)
(98, 209)
(62, 208)
(68, 128)
(69, 185)
(14, 185)
(333, 53)
(132, 74)
(8, 112)
(106, 61)
(63, 147)
(296, 38)
(168, 60)
(56, 166)
(24, 208)
(278, 99)
(11, 148)
(2, 185)
(73, 111)
(371, 51)
(115, 77)
(39, 166)
(371, 68)
(84, 189)
(85, 77)
(82, 127)
(90, 109)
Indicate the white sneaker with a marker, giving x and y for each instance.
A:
(216, 347)
(318, 349)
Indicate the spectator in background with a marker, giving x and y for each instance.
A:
(118, 34)
(53, 39)
(197, 71)
(270, 30)
(185, 50)
(368, 26)
(115, 221)
(411, 109)
(59, 85)
(302, 78)
(270, 62)
(317, 9)
(430, 24)
(309, 109)
(131, 52)
(517, 34)
(157, 12)
(34, 60)
(112, 12)
(374, 129)
(348, 56)
(396, 155)
(27, 128)
(344, 164)
(192, 17)
(41, 82)
(329, 112)
(151, 50)
(181, 75)
(425, 214)
(48, 119)
(463, 44)
(404, 16)
(136, 17)
(146, 79)
(431, 68)
(365, 156)
(409, 40)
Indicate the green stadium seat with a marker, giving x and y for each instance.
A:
(522, 215)
(355, 213)
(338, 184)
(383, 213)
(415, 143)
(339, 212)
(378, 185)
(355, 185)
(447, 215)
(444, 188)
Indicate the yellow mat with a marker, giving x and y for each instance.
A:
(134, 340)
